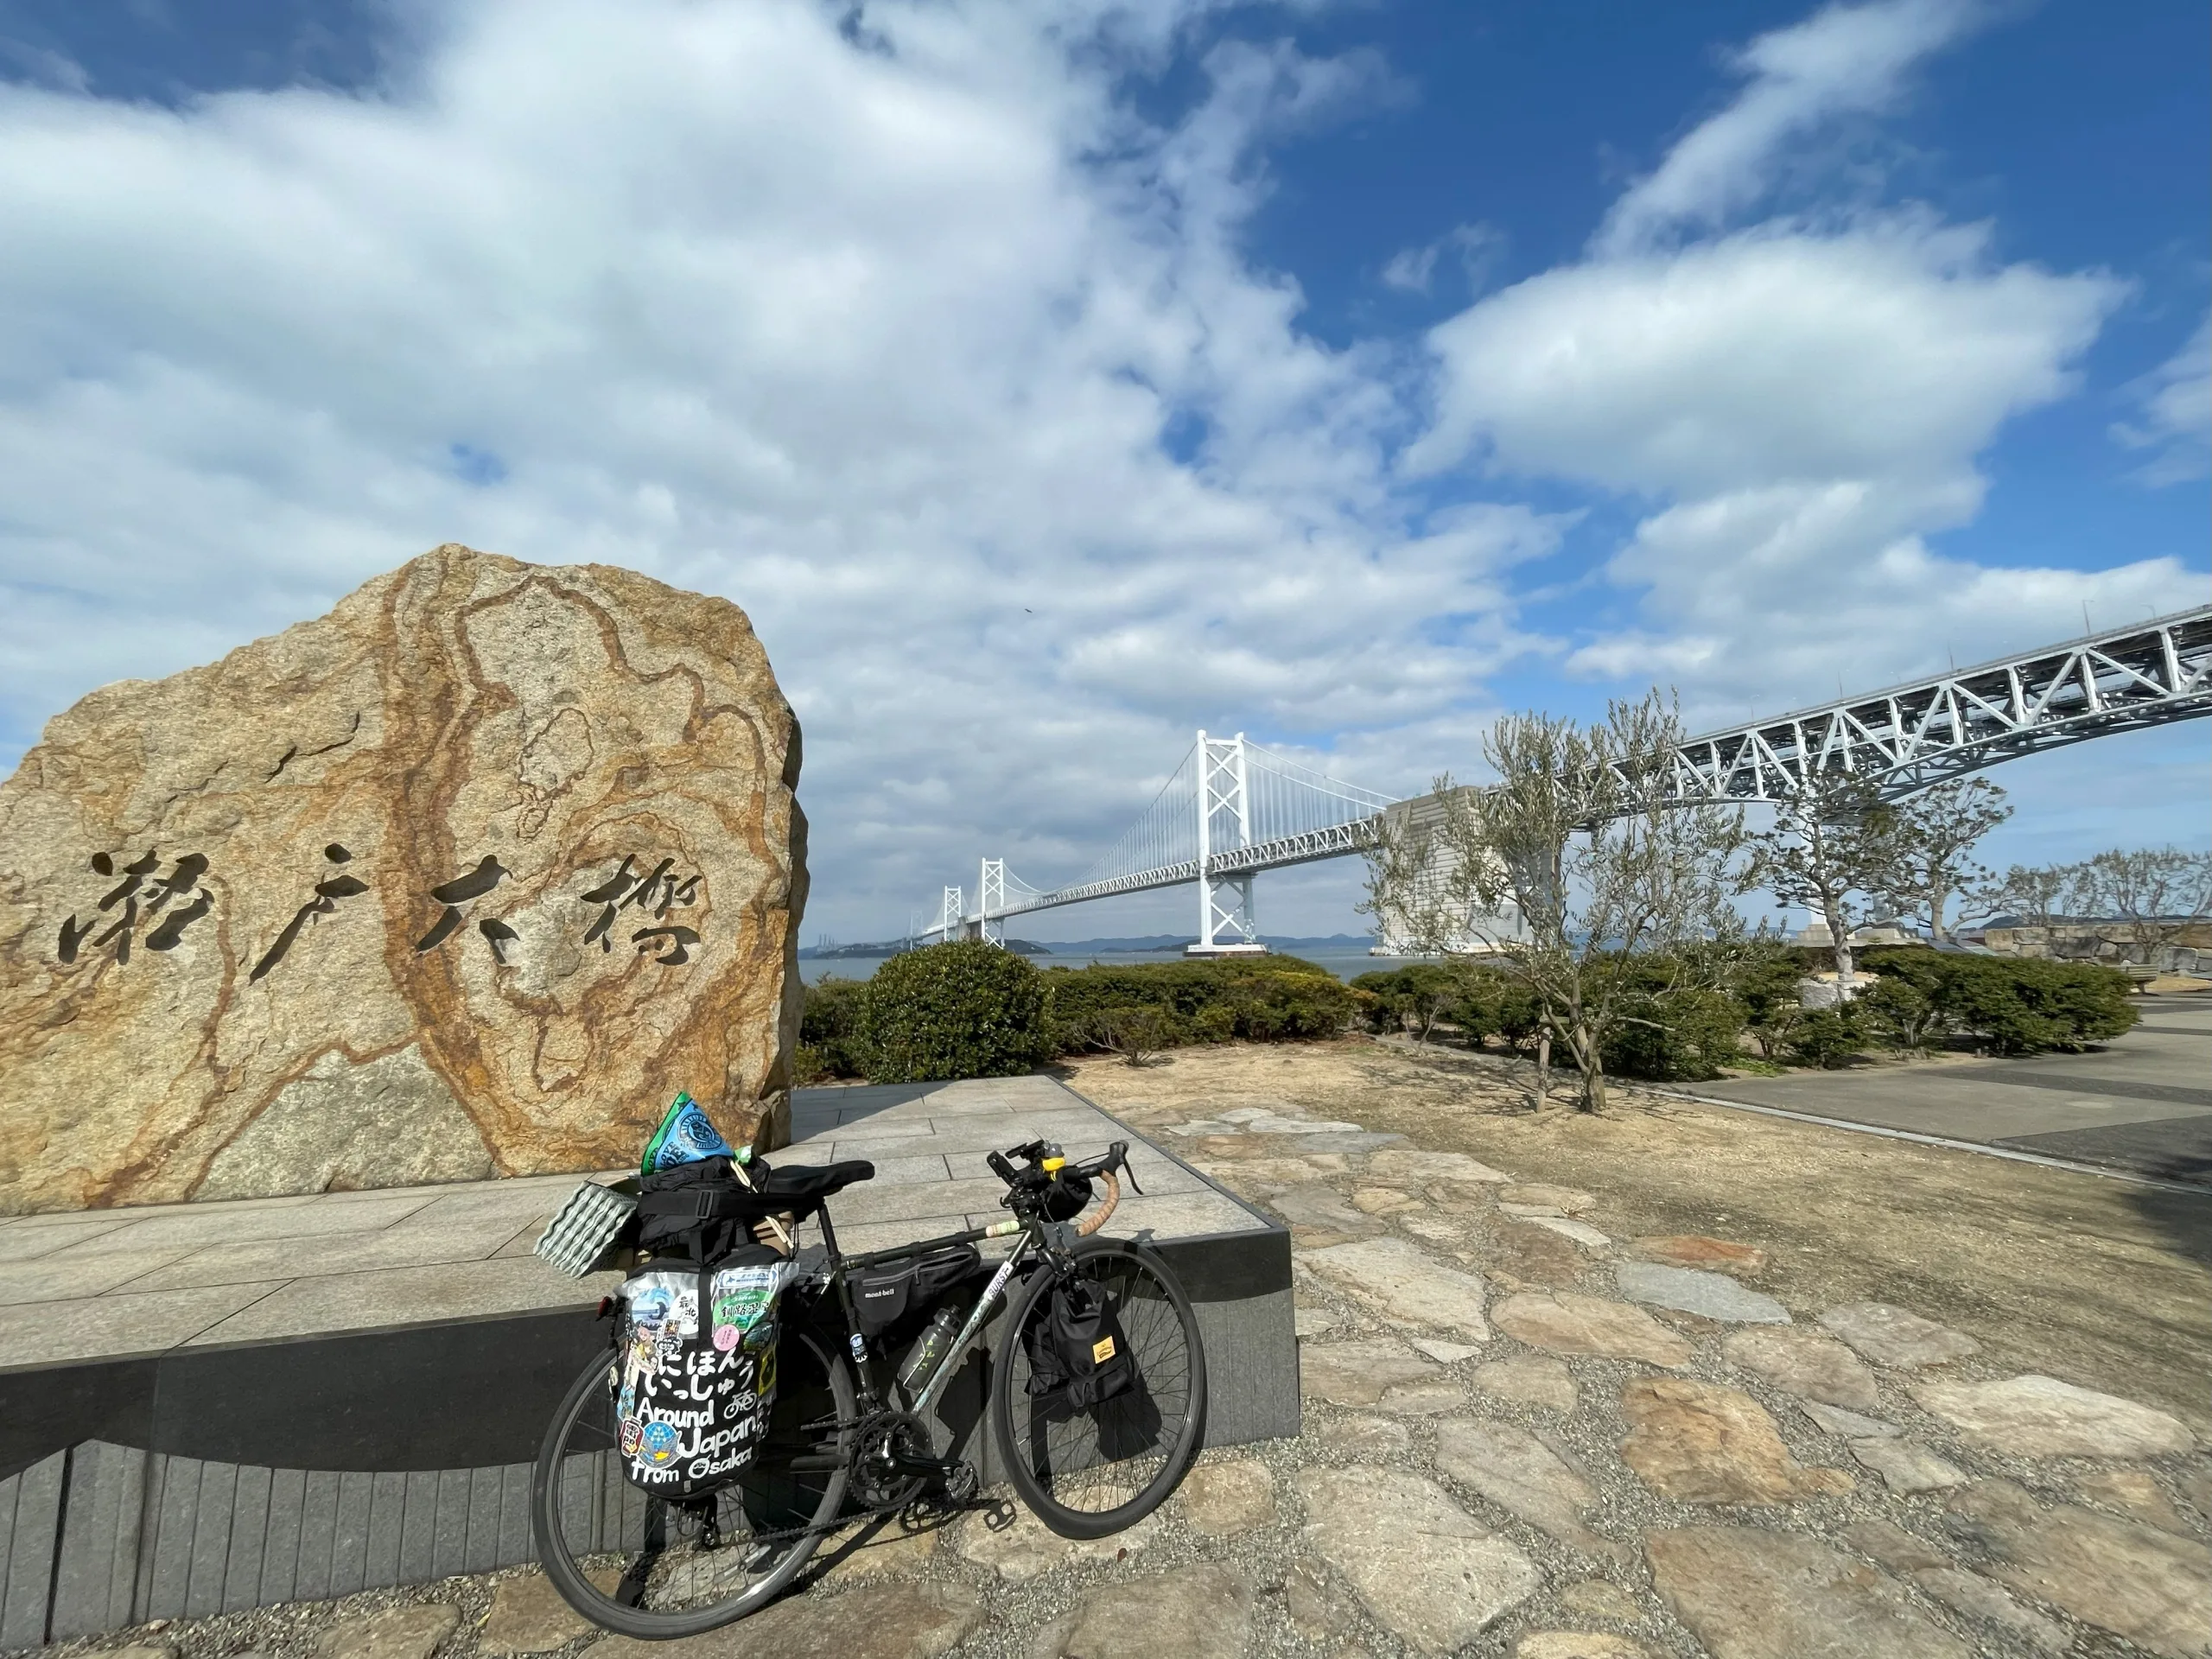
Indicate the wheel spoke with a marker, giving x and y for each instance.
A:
(648, 1566)
(1121, 1452)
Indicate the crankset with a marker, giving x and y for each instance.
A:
(895, 1460)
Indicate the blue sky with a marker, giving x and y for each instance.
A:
(1049, 379)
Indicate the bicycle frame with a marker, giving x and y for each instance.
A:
(1035, 1240)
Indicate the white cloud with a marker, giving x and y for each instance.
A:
(1842, 61)
(2174, 419)
(1793, 408)
(1474, 248)
(1894, 349)
(881, 342)
(954, 371)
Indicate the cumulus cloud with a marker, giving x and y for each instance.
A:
(1793, 408)
(923, 346)
(1842, 61)
(919, 340)
(2174, 413)
(1768, 355)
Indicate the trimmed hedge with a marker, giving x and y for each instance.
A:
(1259, 999)
(2013, 1005)
(1413, 998)
(830, 1043)
(965, 1009)
(971, 1009)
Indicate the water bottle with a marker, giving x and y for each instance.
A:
(930, 1351)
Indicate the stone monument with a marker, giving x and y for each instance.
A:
(468, 877)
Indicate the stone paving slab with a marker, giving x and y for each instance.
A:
(44, 1334)
(75, 1286)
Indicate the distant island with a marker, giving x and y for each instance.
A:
(1165, 945)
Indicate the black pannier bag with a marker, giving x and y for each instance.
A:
(1078, 1357)
(694, 1373)
(895, 1298)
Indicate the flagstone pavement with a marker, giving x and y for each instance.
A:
(1525, 1435)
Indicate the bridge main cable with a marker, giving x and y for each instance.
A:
(1906, 736)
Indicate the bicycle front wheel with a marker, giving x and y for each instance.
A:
(1095, 1469)
(656, 1567)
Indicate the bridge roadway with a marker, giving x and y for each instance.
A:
(1911, 735)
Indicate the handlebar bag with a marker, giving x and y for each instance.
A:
(1078, 1357)
(692, 1394)
(1068, 1196)
(890, 1296)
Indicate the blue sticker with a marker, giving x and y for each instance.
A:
(652, 1308)
(660, 1443)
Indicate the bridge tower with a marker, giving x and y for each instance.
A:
(1225, 826)
(950, 920)
(990, 890)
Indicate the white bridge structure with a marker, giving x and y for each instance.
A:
(1235, 808)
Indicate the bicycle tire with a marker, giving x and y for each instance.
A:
(587, 1519)
(1066, 1478)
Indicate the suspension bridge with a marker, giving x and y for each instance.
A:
(1235, 808)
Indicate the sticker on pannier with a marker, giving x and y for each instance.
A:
(692, 1400)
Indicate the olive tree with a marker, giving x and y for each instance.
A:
(1579, 856)
(1834, 849)
(1933, 834)
(2155, 891)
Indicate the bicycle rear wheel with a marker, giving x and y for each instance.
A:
(1087, 1472)
(654, 1567)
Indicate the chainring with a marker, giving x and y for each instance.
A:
(878, 1479)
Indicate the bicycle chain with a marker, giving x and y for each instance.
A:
(863, 1512)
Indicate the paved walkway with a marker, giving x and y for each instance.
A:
(1528, 1434)
(2143, 1104)
(105, 1283)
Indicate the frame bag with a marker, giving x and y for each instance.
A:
(692, 1395)
(890, 1298)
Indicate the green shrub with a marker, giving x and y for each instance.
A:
(1136, 1031)
(1682, 1037)
(1260, 999)
(966, 1009)
(1494, 1004)
(2014, 1005)
(1411, 998)
(1902, 1013)
(1824, 1037)
(1765, 980)
(829, 1031)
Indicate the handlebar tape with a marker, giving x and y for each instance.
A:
(1097, 1219)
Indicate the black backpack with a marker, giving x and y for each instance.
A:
(700, 1211)
(1078, 1357)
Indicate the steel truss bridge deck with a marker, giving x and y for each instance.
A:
(1906, 737)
